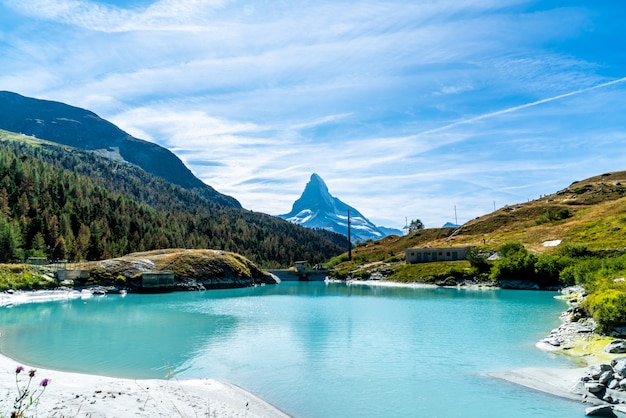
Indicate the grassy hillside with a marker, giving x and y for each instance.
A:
(590, 213)
(596, 209)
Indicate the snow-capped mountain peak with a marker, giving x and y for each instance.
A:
(317, 208)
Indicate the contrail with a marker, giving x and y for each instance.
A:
(524, 106)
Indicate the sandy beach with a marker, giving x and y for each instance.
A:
(555, 381)
(76, 395)
(82, 395)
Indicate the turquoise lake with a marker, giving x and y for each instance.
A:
(312, 349)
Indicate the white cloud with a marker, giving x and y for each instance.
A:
(404, 108)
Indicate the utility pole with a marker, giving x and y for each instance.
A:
(456, 221)
(349, 239)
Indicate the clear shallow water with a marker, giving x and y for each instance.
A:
(311, 349)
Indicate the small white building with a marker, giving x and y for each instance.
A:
(428, 254)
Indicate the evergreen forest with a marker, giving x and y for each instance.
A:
(66, 204)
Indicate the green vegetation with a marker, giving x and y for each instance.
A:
(415, 225)
(447, 273)
(18, 276)
(63, 203)
(552, 216)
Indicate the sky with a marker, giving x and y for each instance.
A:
(438, 110)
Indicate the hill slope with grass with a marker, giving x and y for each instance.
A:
(590, 212)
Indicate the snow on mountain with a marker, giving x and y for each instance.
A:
(317, 208)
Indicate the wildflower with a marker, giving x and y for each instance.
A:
(19, 369)
(44, 382)
(32, 372)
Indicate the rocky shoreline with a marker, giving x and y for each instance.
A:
(601, 382)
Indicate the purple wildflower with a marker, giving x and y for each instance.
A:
(19, 369)
(44, 382)
(32, 372)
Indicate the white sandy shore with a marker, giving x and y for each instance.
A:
(81, 395)
(557, 382)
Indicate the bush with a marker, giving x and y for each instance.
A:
(515, 263)
(551, 216)
(547, 270)
(478, 259)
(608, 308)
(574, 251)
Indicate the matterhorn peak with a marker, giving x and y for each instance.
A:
(317, 208)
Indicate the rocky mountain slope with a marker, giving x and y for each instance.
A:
(317, 208)
(82, 129)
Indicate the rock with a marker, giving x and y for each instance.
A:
(619, 365)
(620, 409)
(519, 285)
(600, 411)
(619, 332)
(616, 346)
(552, 341)
(622, 384)
(613, 384)
(605, 377)
(596, 370)
(572, 289)
(594, 387)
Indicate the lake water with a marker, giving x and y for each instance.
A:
(312, 349)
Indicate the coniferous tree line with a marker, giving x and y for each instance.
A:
(64, 203)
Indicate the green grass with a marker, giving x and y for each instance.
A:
(431, 272)
(22, 277)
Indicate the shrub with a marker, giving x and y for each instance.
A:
(478, 259)
(583, 272)
(608, 308)
(515, 263)
(547, 270)
(551, 216)
(574, 251)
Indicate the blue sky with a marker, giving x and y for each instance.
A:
(407, 109)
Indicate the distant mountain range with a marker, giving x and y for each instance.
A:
(318, 209)
(82, 129)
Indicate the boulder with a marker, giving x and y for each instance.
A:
(600, 411)
(594, 387)
(619, 332)
(605, 377)
(616, 346)
(619, 365)
(596, 370)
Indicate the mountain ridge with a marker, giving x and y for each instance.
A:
(80, 128)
